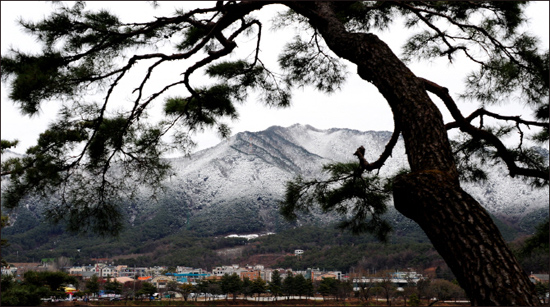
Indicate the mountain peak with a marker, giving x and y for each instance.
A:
(243, 178)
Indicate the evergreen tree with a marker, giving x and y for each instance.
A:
(328, 287)
(288, 287)
(54, 281)
(542, 291)
(300, 285)
(21, 295)
(310, 288)
(148, 289)
(539, 241)
(35, 285)
(214, 288)
(275, 285)
(113, 286)
(231, 284)
(259, 286)
(247, 287)
(90, 158)
(3, 242)
(414, 300)
(92, 284)
(202, 287)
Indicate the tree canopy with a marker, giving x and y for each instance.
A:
(91, 157)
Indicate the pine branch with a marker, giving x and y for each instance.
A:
(483, 112)
(477, 133)
(462, 26)
(365, 165)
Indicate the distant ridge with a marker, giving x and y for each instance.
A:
(234, 187)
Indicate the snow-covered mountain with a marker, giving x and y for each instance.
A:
(234, 187)
(242, 178)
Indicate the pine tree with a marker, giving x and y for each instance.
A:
(247, 287)
(113, 286)
(275, 285)
(328, 287)
(259, 286)
(300, 285)
(288, 288)
(231, 284)
(148, 289)
(90, 159)
(92, 284)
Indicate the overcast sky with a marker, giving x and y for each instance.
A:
(357, 106)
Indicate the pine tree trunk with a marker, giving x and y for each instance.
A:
(466, 237)
(458, 227)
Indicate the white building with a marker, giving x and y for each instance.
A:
(108, 271)
(10, 270)
(221, 270)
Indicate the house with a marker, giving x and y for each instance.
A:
(410, 275)
(77, 270)
(265, 274)
(543, 278)
(313, 274)
(85, 271)
(161, 282)
(188, 274)
(252, 275)
(108, 271)
(335, 275)
(9, 270)
(156, 270)
(221, 270)
(285, 272)
(21, 267)
(213, 278)
(259, 267)
(187, 270)
(298, 252)
(132, 271)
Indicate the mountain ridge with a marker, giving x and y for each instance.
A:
(243, 178)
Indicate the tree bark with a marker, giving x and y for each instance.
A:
(458, 227)
(465, 236)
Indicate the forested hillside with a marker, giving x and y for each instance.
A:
(155, 243)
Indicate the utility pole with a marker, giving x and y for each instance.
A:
(135, 276)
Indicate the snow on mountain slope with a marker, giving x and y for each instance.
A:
(260, 163)
(239, 182)
(253, 168)
(9, 154)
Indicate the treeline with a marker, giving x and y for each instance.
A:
(164, 239)
(325, 248)
(331, 249)
(36, 286)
